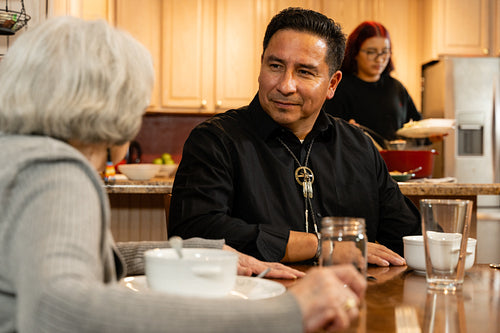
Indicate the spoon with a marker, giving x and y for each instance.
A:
(412, 170)
(263, 273)
(176, 244)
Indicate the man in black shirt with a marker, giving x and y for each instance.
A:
(264, 175)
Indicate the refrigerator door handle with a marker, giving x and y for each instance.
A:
(496, 129)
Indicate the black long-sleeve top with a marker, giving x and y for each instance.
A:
(382, 106)
(236, 181)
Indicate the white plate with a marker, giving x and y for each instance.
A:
(427, 127)
(246, 287)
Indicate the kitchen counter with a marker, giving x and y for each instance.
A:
(448, 189)
(158, 185)
(140, 208)
(161, 185)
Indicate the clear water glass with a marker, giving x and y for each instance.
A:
(343, 241)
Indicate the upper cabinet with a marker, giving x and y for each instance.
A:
(210, 54)
(142, 19)
(400, 17)
(461, 27)
(496, 29)
(206, 52)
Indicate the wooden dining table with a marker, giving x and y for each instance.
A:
(475, 308)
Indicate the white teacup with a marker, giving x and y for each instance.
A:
(444, 249)
(207, 273)
(414, 252)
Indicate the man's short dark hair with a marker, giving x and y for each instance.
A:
(305, 20)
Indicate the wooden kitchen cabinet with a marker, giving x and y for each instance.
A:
(143, 21)
(211, 54)
(401, 18)
(460, 27)
(207, 52)
(496, 29)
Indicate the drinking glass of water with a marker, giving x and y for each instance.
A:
(343, 241)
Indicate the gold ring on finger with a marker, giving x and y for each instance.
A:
(349, 304)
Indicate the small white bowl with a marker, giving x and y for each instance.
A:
(140, 171)
(205, 273)
(414, 252)
(168, 170)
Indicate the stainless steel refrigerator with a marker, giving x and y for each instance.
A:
(467, 89)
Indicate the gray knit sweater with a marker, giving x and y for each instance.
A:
(59, 264)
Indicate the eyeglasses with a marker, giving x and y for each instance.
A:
(372, 54)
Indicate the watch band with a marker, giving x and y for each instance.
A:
(318, 250)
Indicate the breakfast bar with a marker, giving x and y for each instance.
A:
(139, 207)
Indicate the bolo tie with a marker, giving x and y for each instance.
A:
(305, 178)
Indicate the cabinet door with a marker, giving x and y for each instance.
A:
(142, 21)
(398, 16)
(348, 13)
(188, 50)
(463, 27)
(239, 46)
(496, 29)
(102, 9)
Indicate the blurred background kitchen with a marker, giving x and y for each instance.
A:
(207, 55)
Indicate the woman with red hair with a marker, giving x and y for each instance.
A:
(367, 94)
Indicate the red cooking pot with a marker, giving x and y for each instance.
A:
(404, 160)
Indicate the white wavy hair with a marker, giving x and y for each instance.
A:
(74, 79)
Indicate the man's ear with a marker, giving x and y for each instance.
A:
(334, 82)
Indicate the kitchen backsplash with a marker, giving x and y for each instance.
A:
(166, 133)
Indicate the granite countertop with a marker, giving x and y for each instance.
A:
(161, 185)
(459, 189)
(157, 185)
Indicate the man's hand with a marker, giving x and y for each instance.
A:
(248, 265)
(382, 256)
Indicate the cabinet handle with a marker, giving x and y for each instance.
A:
(219, 103)
(486, 51)
(204, 103)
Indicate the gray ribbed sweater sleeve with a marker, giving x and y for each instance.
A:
(57, 263)
(133, 252)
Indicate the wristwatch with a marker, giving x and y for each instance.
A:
(318, 250)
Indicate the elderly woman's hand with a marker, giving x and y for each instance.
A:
(248, 265)
(329, 297)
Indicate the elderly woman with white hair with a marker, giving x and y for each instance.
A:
(72, 95)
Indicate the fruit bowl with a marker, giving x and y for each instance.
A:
(168, 170)
(140, 171)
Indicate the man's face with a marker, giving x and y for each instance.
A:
(294, 81)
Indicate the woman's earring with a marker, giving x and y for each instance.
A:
(109, 172)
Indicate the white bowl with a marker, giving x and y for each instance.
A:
(414, 252)
(206, 273)
(140, 171)
(168, 170)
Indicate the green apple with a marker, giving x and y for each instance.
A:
(167, 158)
(158, 161)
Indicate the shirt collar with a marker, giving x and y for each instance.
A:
(267, 128)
